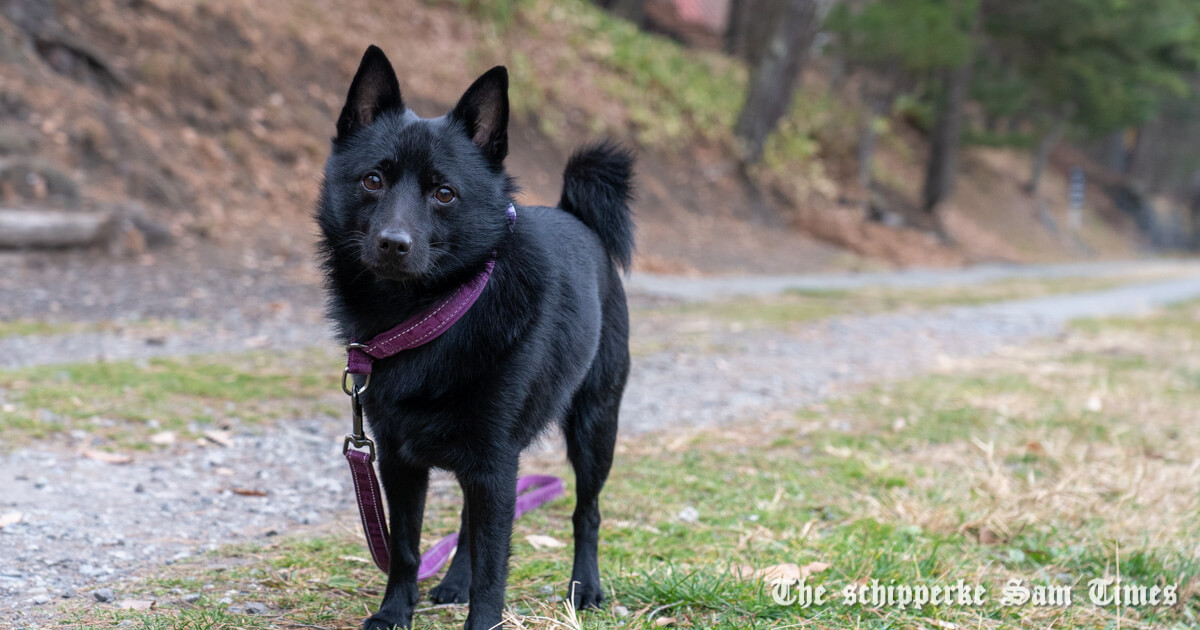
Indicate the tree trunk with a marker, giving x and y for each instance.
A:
(1136, 151)
(749, 27)
(775, 77)
(876, 105)
(632, 10)
(1114, 151)
(1041, 153)
(947, 129)
(735, 24)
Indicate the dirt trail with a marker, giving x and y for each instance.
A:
(85, 524)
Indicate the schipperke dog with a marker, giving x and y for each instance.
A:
(411, 209)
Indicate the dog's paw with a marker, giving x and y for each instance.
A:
(451, 592)
(586, 595)
(378, 622)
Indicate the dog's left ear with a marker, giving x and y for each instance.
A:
(483, 110)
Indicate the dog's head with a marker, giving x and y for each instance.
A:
(412, 199)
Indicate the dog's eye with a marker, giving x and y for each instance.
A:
(372, 182)
(444, 195)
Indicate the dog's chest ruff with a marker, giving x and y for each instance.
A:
(425, 326)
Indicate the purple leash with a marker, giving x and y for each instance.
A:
(418, 330)
(532, 492)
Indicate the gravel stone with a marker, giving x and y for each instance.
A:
(103, 595)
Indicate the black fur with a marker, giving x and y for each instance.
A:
(547, 340)
(597, 179)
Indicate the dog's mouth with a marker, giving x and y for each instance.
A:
(410, 266)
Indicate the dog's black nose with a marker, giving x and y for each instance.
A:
(398, 241)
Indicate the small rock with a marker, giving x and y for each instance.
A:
(620, 611)
(41, 599)
(104, 595)
(255, 608)
(191, 598)
(225, 601)
(546, 589)
(688, 514)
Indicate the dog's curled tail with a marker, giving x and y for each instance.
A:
(597, 188)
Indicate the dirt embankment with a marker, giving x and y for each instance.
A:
(213, 118)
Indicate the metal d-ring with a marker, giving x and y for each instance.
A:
(356, 390)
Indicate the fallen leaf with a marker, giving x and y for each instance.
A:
(135, 604)
(664, 621)
(222, 438)
(743, 571)
(248, 492)
(787, 571)
(10, 518)
(354, 559)
(106, 457)
(813, 568)
(779, 572)
(544, 542)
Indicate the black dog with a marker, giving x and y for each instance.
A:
(410, 210)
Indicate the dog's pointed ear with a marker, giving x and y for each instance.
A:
(483, 110)
(373, 91)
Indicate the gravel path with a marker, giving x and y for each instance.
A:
(693, 288)
(85, 524)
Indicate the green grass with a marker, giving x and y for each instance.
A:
(27, 327)
(121, 404)
(1178, 322)
(1064, 463)
(803, 306)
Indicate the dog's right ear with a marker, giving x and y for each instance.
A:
(373, 91)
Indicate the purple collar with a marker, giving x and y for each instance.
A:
(426, 325)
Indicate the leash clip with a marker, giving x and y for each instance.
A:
(358, 436)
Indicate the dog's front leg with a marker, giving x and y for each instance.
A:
(405, 487)
(491, 498)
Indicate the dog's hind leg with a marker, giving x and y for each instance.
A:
(456, 586)
(405, 487)
(591, 433)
